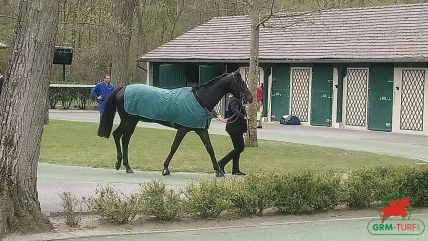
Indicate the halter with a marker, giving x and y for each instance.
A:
(241, 97)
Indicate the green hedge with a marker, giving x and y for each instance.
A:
(66, 96)
(296, 193)
(115, 206)
(307, 192)
(208, 198)
(367, 187)
(415, 186)
(161, 202)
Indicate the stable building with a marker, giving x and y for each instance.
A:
(357, 68)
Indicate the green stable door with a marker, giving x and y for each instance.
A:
(171, 76)
(322, 95)
(209, 72)
(280, 102)
(381, 81)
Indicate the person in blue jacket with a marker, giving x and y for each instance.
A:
(101, 91)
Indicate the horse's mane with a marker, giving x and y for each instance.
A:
(212, 81)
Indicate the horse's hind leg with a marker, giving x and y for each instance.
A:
(129, 130)
(205, 137)
(181, 133)
(117, 135)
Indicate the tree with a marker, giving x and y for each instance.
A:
(123, 22)
(259, 14)
(22, 103)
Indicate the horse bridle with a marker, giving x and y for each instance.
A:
(241, 97)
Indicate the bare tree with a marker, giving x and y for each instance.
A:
(22, 103)
(123, 17)
(260, 11)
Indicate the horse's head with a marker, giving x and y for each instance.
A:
(239, 88)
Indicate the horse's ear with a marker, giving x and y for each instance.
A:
(236, 73)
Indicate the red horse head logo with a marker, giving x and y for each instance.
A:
(395, 208)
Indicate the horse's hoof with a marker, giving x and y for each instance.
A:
(166, 172)
(117, 166)
(219, 173)
(129, 170)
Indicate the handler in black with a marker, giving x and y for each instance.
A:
(236, 126)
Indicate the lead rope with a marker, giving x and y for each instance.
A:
(214, 116)
(241, 96)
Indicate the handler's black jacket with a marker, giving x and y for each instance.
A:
(238, 122)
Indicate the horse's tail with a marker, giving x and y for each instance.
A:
(106, 122)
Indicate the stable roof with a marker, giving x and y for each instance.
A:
(397, 33)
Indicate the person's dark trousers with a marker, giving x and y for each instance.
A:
(101, 115)
(238, 147)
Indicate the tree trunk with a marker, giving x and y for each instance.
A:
(123, 16)
(141, 35)
(22, 107)
(251, 137)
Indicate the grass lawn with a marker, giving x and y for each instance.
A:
(76, 143)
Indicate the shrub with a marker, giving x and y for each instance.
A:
(307, 192)
(160, 202)
(70, 205)
(303, 192)
(254, 194)
(415, 186)
(243, 201)
(367, 187)
(328, 191)
(115, 206)
(208, 198)
(81, 96)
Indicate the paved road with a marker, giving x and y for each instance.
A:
(413, 146)
(328, 229)
(55, 179)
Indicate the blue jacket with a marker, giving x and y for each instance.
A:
(103, 90)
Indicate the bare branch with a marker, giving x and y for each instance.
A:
(141, 67)
(267, 17)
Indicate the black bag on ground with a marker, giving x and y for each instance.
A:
(289, 120)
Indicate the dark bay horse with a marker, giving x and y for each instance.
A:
(206, 97)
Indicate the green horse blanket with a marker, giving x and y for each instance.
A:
(176, 106)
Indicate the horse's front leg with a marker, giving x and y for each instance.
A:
(181, 133)
(117, 135)
(205, 137)
(129, 130)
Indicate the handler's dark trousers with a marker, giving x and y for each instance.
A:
(238, 147)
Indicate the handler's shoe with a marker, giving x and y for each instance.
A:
(239, 173)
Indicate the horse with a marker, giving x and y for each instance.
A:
(156, 109)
